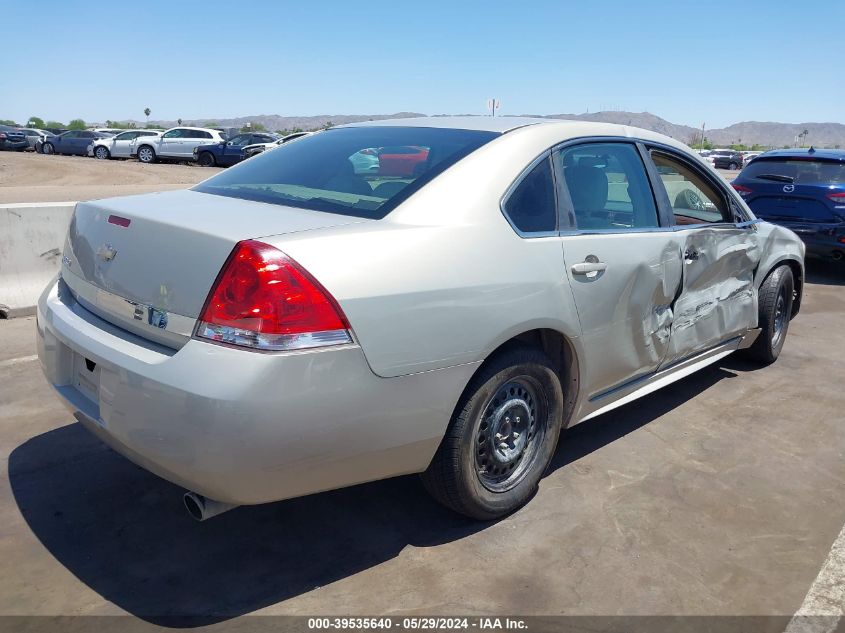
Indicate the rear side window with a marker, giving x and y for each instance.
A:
(608, 187)
(801, 171)
(531, 205)
(360, 171)
(693, 198)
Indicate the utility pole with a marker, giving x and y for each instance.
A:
(702, 136)
(493, 105)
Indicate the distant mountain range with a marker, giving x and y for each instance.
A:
(749, 133)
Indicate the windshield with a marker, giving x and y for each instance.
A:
(360, 171)
(800, 171)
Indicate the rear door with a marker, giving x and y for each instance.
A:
(720, 251)
(621, 259)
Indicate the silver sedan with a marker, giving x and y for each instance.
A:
(298, 323)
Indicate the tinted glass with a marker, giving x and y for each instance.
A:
(802, 171)
(693, 198)
(173, 134)
(531, 206)
(327, 171)
(125, 136)
(608, 187)
(240, 139)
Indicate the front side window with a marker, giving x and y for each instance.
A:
(694, 200)
(174, 134)
(125, 136)
(240, 139)
(531, 205)
(608, 187)
(343, 170)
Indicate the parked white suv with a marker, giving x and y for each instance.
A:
(176, 143)
(118, 146)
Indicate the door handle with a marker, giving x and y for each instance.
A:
(587, 268)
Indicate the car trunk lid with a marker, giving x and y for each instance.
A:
(146, 263)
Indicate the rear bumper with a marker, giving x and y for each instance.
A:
(239, 426)
(14, 145)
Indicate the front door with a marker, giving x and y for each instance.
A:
(720, 250)
(621, 260)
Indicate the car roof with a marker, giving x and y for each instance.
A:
(830, 154)
(483, 123)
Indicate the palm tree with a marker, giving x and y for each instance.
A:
(804, 134)
(147, 114)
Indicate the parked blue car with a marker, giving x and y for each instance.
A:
(232, 151)
(803, 190)
(71, 142)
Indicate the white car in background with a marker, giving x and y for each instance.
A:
(118, 146)
(177, 143)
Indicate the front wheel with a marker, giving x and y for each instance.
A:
(501, 438)
(206, 159)
(101, 153)
(146, 154)
(48, 148)
(732, 166)
(774, 301)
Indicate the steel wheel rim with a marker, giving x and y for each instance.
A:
(510, 433)
(780, 318)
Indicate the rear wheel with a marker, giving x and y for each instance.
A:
(146, 154)
(206, 159)
(502, 437)
(101, 152)
(775, 309)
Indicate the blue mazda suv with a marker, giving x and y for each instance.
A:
(803, 190)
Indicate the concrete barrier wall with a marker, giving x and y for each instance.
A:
(31, 239)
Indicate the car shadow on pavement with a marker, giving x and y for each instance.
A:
(124, 533)
(582, 439)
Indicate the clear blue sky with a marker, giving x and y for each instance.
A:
(719, 62)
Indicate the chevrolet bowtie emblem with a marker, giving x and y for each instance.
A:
(107, 252)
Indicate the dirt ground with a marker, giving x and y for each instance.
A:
(30, 177)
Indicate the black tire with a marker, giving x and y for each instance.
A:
(775, 309)
(102, 153)
(473, 475)
(48, 148)
(206, 159)
(146, 154)
(732, 166)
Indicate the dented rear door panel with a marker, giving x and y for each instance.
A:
(626, 310)
(718, 299)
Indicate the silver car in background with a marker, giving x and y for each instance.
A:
(120, 145)
(295, 324)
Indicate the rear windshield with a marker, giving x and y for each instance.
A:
(359, 171)
(802, 171)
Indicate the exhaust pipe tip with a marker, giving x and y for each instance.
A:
(201, 508)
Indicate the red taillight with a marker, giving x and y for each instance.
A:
(264, 300)
(837, 198)
(743, 191)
